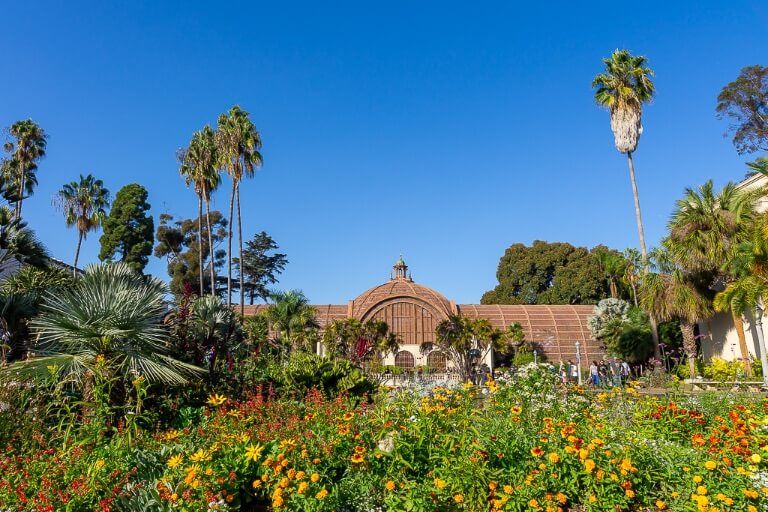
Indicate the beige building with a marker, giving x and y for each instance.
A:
(718, 334)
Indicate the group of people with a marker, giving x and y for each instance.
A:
(605, 373)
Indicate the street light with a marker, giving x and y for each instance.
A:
(578, 362)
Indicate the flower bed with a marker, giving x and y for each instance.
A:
(525, 445)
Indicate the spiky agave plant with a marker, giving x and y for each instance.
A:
(111, 318)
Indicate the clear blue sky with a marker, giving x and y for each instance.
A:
(446, 131)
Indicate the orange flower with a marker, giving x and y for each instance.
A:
(536, 451)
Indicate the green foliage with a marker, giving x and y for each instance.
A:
(744, 102)
(179, 242)
(729, 371)
(18, 244)
(626, 80)
(129, 229)
(358, 341)
(623, 329)
(259, 267)
(550, 273)
(305, 371)
(110, 321)
(27, 147)
(84, 204)
(292, 319)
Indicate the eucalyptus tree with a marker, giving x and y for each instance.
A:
(239, 144)
(27, 148)
(706, 231)
(84, 204)
(199, 167)
(623, 87)
(110, 322)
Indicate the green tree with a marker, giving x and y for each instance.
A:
(18, 244)
(549, 273)
(259, 266)
(86, 329)
(213, 324)
(84, 204)
(706, 230)
(27, 148)
(129, 229)
(238, 143)
(745, 102)
(199, 169)
(458, 336)
(179, 241)
(622, 88)
(292, 319)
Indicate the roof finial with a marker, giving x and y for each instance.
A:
(400, 269)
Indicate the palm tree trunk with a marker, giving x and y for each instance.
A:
(643, 250)
(739, 324)
(229, 243)
(689, 346)
(200, 270)
(210, 244)
(240, 256)
(638, 214)
(22, 182)
(77, 253)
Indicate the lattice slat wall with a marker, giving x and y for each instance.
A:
(413, 323)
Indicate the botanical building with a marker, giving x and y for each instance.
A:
(413, 311)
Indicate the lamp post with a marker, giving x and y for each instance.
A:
(761, 342)
(578, 361)
(535, 356)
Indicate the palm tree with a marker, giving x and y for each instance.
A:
(239, 143)
(199, 168)
(673, 296)
(291, 317)
(111, 322)
(214, 324)
(29, 147)
(18, 244)
(623, 88)
(359, 341)
(706, 230)
(84, 204)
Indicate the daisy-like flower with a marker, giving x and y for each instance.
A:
(175, 461)
(357, 458)
(253, 452)
(216, 400)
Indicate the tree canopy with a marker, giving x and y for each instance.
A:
(553, 273)
(260, 268)
(128, 229)
(744, 102)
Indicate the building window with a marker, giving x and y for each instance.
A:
(404, 359)
(436, 361)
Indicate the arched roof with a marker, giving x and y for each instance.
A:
(401, 289)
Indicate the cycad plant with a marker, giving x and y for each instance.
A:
(238, 144)
(84, 204)
(109, 322)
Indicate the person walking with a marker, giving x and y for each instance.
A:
(594, 374)
(573, 372)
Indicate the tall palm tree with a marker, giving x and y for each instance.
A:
(112, 321)
(84, 204)
(239, 143)
(199, 168)
(706, 230)
(291, 316)
(673, 295)
(28, 148)
(623, 88)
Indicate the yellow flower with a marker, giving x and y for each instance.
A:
(216, 400)
(589, 465)
(536, 451)
(357, 458)
(277, 502)
(458, 498)
(200, 456)
(315, 478)
(710, 465)
(701, 490)
(322, 494)
(755, 458)
(256, 484)
(508, 489)
(300, 475)
(750, 493)
(253, 452)
(629, 493)
(554, 458)
(561, 498)
(99, 464)
(439, 483)
(533, 503)
(192, 472)
(303, 486)
(661, 505)
(348, 416)
(697, 479)
(390, 485)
